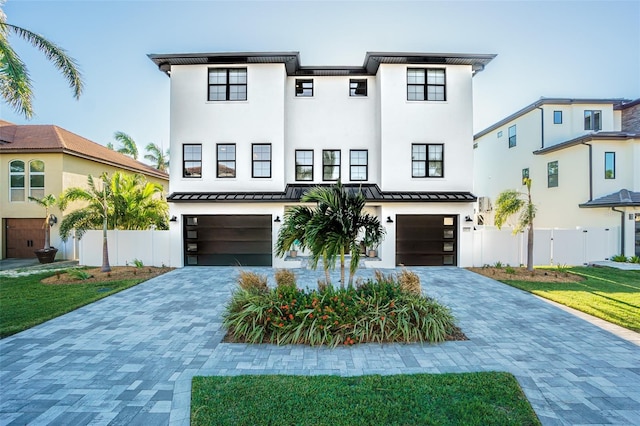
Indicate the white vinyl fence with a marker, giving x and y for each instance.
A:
(550, 246)
(150, 246)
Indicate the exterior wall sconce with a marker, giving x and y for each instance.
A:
(389, 220)
(468, 219)
(277, 219)
(173, 219)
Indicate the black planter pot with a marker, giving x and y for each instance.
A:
(46, 256)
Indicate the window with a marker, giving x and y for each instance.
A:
(609, 165)
(357, 87)
(557, 117)
(512, 136)
(426, 84)
(227, 84)
(16, 178)
(500, 134)
(36, 179)
(592, 120)
(358, 164)
(226, 167)
(427, 160)
(304, 88)
(261, 167)
(192, 160)
(552, 174)
(330, 164)
(304, 164)
(525, 174)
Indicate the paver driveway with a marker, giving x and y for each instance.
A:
(129, 358)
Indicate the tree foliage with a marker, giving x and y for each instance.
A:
(158, 158)
(128, 147)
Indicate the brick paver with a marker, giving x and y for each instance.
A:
(129, 358)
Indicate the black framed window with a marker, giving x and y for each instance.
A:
(557, 117)
(512, 136)
(227, 84)
(304, 164)
(330, 164)
(525, 175)
(358, 164)
(552, 174)
(16, 180)
(426, 84)
(226, 160)
(357, 87)
(192, 160)
(427, 160)
(593, 120)
(609, 165)
(304, 87)
(261, 160)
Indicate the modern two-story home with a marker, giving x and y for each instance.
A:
(251, 132)
(583, 158)
(38, 160)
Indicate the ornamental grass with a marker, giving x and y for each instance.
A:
(377, 310)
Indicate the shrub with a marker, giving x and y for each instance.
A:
(498, 265)
(509, 270)
(137, 263)
(252, 281)
(634, 259)
(409, 282)
(285, 277)
(619, 258)
(79, 274)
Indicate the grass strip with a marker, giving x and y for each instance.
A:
(26, 302)
(488, 398)
(607, 293)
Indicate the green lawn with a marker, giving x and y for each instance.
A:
(607, 293)
(442, 399)
(25, 302)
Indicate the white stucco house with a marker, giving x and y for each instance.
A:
(250, 132)
(583, 157)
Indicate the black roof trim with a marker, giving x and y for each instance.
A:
(293, 192)
(622, 198)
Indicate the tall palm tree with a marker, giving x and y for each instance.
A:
(16, 87)
(47, 202)
(510, 202)
(129, 146)
(159, 159)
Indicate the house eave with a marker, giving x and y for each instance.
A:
(590, 137)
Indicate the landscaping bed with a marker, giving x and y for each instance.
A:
(96, 276)
(557, 275)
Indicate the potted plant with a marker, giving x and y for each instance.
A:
(48, 253)
(294, 249)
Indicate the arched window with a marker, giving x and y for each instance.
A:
(36, 179)
(16, 180)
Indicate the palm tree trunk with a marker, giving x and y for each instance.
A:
(325, 265)
(530, 248)
(47, 233)
(342, 267)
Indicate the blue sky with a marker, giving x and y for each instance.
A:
(573, 49)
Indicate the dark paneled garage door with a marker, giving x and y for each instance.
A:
(226, 240)
(23, 236)
(426, 240)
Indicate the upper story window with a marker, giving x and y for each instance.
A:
(552, 174)
(593, 120)
(16, 180)
(426, 84)
(304, 164)
(525, 174)
(226, 160)
(357, 87)
(36, 179)
(512, 136)
(304, 87)
(192, 160)
(330, 164)
(609, 165)
(358, 164)
(557, 117)
(261, 160)
(427, 160)
(227, 84)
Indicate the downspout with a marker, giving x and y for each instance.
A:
(621, 228)
(541, 126)
(590, 170)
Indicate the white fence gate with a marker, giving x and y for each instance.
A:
(149, 246)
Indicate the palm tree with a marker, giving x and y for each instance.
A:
(129, 146)
(331, 228)
(47, 202)
(92, 216)
(159, 159)
(15, 83)
(510, 202)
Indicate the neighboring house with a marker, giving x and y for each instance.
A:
(583, 157)
(251, 132)
(37, 160)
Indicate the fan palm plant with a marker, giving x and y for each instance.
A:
(47, 202)
(16, 87)
(158, 158)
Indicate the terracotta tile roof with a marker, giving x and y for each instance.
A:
(49, 138)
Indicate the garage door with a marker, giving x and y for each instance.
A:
(23, 236)
(426, 240)
(227, 240)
